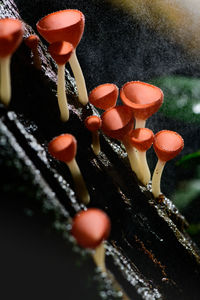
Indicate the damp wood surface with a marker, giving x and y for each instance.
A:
(149, 252)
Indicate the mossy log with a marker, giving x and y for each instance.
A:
(149, 252)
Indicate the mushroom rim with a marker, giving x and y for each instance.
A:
(82, 17)
(17, 21)
(133, 105)
(166, 150)
(115, 88)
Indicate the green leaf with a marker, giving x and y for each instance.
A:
(181, 97)
(186, 193)
(192, 158)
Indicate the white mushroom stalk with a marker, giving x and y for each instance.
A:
(139, 123)
(93, 124)
(11, 33)
(5, 82)
(79, 183)
(156, 178)
(167, 145)
(63, 148)
(79, 78)
(132, 156)
(61, 53)
(61, 94)
(141, 140)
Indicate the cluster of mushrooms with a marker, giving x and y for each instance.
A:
(63, 31)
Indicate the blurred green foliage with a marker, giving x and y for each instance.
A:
(182, 103)
(182, 97)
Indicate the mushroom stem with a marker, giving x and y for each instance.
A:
(143, 166)
(95, 143)
(5, 84)
(80, 187)
(157, 178)
(80, 81)
(62, 99)
(139, 123)
(132, 155)
(36, 58)
(99, 257)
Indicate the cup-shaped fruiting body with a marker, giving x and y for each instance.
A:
(104, 96)
(93, 124)
(61, 52)
(142, 139)
(167, 144)
(32, 41)
(64, 148)
(66, 25)
(90, 228)
(144, 99)
(11, 33)
(117, 122)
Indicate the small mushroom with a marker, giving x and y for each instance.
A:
(90, 228)
(32, 42)
(104, 96)
(66, 25)
(142, 139)
(64, 148)
(93, 124)
(117, 122)
(11, 33)
(61, 52)
(167, 144)
(144, 99)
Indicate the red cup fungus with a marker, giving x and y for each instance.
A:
(90, 228)
(64, 148)
(66, 25)
(32, 42)
(117, 122)
(144, 99)
(93, 124)
(61, 52)
(142, 139)
(11, 33)
(104, 96)
(167, 144)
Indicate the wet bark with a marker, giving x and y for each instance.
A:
(149, 251)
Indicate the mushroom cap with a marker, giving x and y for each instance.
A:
(63, 147)
(32, 41)
(11, 33)
(117, 121)
(145, 99)
(61, 51)
(93, 123)
(141, 138)
(167, 144)
(64, 25)
(91, 227)
(104, 96)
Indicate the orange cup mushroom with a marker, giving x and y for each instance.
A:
(104, 96)
(91, 228)
(32, 42)
(64, 148)
(117, 122)
(61, 52)
(144, 99)
(93, 124)
(66, 25)
(167, 144)
(11, 33)
(142, 139)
